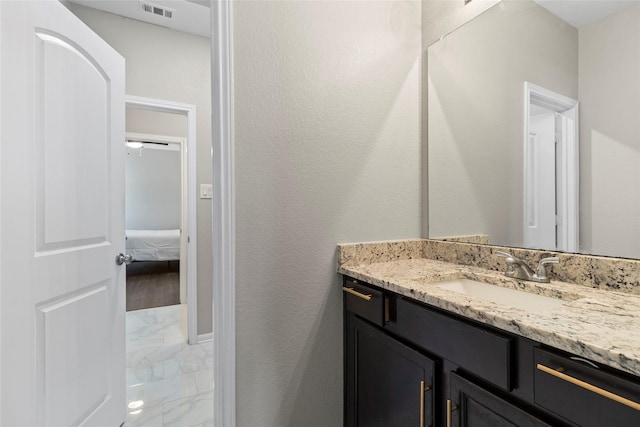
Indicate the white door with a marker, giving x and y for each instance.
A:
(61, 221)
(541, 179)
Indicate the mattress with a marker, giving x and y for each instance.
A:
(153, 245)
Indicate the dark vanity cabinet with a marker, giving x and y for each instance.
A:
(390, 384)
(387, 383)
(410, 364)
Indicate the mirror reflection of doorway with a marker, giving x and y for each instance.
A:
(550, 170)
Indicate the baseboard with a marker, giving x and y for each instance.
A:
(205, 337)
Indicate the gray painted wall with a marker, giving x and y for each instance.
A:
(171, 65)
(327, 150)
(152, 199)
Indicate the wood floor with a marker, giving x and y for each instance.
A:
(152, 284)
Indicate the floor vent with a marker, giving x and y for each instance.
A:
(157, 10)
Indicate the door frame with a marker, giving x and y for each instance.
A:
(189, 194)
(224, 282)
(569, 177)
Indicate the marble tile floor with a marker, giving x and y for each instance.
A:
(169, 383)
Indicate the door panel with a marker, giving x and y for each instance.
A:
(477, 407)
(383, 381)
(61, 221)
(72, 107)
(78, 362)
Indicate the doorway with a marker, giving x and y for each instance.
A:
(550, 190)
(155, 213)
(187, 236)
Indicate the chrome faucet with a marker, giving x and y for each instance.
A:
(518, 269)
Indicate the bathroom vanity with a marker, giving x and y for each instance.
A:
(417, 353)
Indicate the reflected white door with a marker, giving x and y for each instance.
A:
(61, 221)
(541, 204)
(550, 170)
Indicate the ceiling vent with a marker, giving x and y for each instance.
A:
(157, 10)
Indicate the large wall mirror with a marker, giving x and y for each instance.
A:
(534, 127)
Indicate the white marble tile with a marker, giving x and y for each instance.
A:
(204, 380)
(173, 334)
(142, 342)
(165, 373)
(155, 393)
(189, 412)
(147, 372)
(144, 417)
(188, 361)
(171, 314)
(140, 357)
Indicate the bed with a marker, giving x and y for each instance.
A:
(153, 245)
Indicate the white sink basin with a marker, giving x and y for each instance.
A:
(498, 294)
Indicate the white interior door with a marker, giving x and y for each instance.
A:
(61, 221)
(541, 204)
(551, 156)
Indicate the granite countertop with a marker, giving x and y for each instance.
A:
(600, 325)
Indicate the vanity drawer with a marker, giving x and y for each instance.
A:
(481, 352)
(584, 394)
(365, 301)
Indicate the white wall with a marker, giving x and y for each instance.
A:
(153, 181)
(610, 135)
(475, 90)
(171, 65)
(327, 150)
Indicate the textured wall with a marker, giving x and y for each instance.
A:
(327, 150)
(171, 65)
(610, 136)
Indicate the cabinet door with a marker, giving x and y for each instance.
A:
(472, 406)
(386, 382)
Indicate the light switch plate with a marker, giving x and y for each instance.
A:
(206, 191)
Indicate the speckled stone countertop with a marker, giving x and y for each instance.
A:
(598, 324)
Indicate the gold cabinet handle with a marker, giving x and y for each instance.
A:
(450, 408)
(421, 403)
(590, 387)
(356, 293)
(423, 389)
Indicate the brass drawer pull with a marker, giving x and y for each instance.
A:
(450, 408)
(590, 387)
(423, 389)
(356, 293)
(421, 403)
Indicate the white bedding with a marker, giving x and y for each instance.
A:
(153, 245)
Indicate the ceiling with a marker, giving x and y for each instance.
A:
(583, 12)
(191, 16)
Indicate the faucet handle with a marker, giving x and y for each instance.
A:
(541, 271)
(549, 260)
(511, 261)
(505, 255)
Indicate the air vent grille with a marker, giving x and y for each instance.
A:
(157, 10)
